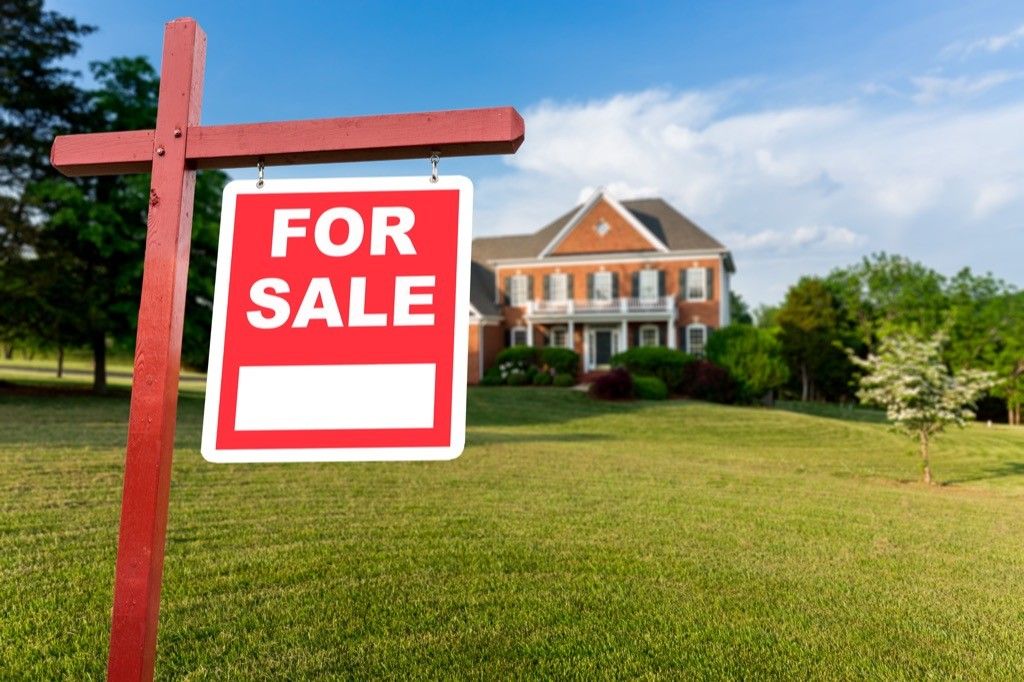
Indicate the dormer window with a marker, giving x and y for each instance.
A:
(602, 228)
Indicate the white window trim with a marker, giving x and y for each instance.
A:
(512, 336)
(649, 327)
(652, 276)
(517, 283)
(564, 279)
(703, 284)
(704, 330)
(565, 330)
(604, 274)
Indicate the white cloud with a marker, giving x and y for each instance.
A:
(929, 89)
(818, 185)
(808, 236)
(995, 43)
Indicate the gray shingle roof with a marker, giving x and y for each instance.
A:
(668, 225)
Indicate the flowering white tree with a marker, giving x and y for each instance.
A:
(908, 378)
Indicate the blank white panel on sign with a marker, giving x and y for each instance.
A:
(329, 397)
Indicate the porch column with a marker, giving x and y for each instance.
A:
(623, 337)
(529, 333)
(670, 335)
(572, 335)
(586, 349)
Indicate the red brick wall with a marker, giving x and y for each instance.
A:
(621, 236)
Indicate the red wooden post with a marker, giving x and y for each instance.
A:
(172, 152)
(154, 403)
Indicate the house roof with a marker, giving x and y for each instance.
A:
(669, 226)
(481, 290)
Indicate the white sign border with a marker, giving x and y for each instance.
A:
(211, 411)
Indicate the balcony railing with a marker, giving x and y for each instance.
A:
(622, 305)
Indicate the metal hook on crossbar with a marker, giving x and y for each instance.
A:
(259, 173)
(434, 158)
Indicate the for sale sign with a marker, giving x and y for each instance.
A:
(340, 317)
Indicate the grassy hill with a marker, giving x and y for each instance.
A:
(572, 538)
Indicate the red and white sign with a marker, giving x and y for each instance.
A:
(340, 318)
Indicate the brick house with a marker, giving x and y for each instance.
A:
(604, 277)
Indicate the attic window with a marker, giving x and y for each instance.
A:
(602, 228)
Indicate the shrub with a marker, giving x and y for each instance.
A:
(517, 378)
(523, 356)
(542, 379)
(752, 356)
(704, 380)
(649, 388)
(492, 377)
(561, 360)
(615, 385)
(563, 380)
(665, 363)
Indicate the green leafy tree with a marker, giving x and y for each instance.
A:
(739, 311)
(920, 396)
(38, 99)
(88, 252)
(753, 357)
(814, 331)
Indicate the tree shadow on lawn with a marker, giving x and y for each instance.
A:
(1003, 470)
(526, 406)
(477, 438)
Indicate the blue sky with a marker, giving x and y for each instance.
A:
(802, 135)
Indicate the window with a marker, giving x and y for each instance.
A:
(649, 335)
(518, 295)
(602, 286)
(518, 336)
(696, 284)
(602, 228)
(648, 285)
(558, 284)
(560, 337)
(696, 337)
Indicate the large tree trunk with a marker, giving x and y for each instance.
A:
(8, 351)
(60, 361)
(805, 383)
(924, 458)
(99, 363)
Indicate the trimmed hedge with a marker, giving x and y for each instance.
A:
(667, 364)
(649, 388)
(523, 355)
(542, 379)
(517, 378)
(561, 360)
(563, 380)
(615, 385)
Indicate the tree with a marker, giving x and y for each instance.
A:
(908, 378)
(38, 99)
(814, 330)
(87, 253)
(739, 311)
(753, 357)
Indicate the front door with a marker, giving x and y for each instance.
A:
(602, 347)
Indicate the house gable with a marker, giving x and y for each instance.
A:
(602, 225)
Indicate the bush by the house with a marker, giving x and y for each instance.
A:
(560, 360)
(563, 380)
(649, 388)
(665, 363)
(704, 380)
(517, 378)
(542, 378)
(524, 356)
(492, 377)
(615, 385)
(752, 356)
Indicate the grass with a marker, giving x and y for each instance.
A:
(572, 539)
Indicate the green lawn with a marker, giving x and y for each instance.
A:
(572, 539)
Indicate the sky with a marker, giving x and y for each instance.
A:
(803, 135)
